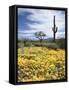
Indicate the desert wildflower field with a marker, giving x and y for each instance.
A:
(40, 63)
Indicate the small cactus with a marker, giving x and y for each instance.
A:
(54, 28)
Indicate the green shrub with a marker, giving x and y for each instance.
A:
(52, 46)
(61, 43)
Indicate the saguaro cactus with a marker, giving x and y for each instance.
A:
(55, 28)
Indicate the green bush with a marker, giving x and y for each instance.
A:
(61, 43)
(52, 46)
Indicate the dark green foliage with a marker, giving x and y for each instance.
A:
(40, 35)
(58, 44)
(52, 45)
(61, 43)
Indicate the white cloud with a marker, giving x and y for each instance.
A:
(45, 17)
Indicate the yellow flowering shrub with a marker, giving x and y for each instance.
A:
(40, 63)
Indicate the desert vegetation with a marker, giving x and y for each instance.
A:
(41, 59)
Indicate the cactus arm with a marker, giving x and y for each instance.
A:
(54, 28)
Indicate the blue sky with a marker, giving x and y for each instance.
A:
(35, 20)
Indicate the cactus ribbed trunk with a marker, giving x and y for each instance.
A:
(54, 29)
(54, 36)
